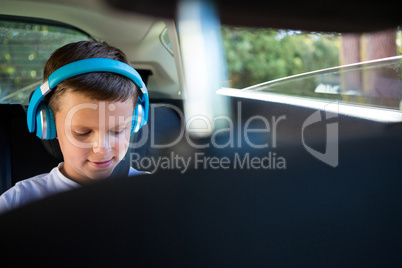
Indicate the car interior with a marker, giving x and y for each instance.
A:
(262, 190)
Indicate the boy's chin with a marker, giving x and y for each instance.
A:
(98, 178)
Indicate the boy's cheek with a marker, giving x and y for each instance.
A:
(77, 143)
(124, 141)
(123, 147)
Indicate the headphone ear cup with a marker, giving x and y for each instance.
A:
(45, 125)
(137, 118)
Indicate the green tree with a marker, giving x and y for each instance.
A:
(258, 55)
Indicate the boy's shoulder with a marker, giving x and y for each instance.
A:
(24, 192)
(52, 181)
(35, 188)
(37, 180)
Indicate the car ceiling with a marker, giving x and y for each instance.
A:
(339, 16)
(85, 15)
(129, 32)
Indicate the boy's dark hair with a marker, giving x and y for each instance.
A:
(101, 86)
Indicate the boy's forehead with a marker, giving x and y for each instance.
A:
(82, 96)
(71, 99)
(78, 107)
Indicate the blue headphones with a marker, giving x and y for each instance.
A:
(40, 116)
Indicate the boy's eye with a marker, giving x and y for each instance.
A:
(116, 132)
(82, 134)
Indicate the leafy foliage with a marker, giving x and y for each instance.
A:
(258, 55)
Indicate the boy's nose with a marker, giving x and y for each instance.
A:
(102, 146)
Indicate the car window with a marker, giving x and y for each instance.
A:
(257, 55)
(363, 70)
(374, 83)
(25, 45)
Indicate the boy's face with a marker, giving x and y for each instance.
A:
(93, 135)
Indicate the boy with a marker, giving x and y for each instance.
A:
(93, 122)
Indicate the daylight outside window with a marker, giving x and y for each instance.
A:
(24, 49)
(257, 55)
(350, 68)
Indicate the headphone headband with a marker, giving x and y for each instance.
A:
(82, 67)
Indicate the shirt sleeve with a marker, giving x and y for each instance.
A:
(8, 199)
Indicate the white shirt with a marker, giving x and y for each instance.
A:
(38, 187)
